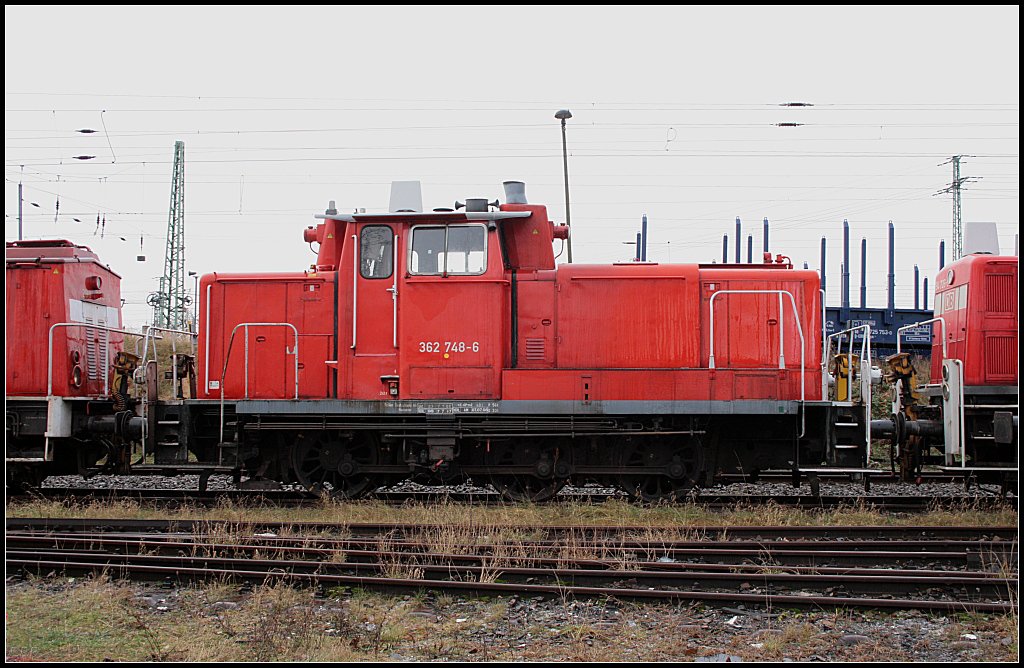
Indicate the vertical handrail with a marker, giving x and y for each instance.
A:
(782, 337)
(824, 349)
(150, 336)
(206, 375)
(799, 330)
(355, 290)
(294, 352)
(865, 375)
(866, 395)
(942, 323)
(394, 296)
(193, 338)
(865, 347)
(963, 437)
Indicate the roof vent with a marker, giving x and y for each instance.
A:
(981, 238)
(406, 197)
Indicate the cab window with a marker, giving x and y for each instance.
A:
(376, 251)
(448, 250)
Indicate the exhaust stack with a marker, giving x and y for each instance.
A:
(515, 192)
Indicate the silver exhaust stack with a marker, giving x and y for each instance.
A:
(515, 192)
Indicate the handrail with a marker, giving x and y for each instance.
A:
(148, 329)
(193, 338)
(865, 346)
(782, 357)
(394, 296)
(824, 351)
(355, 292)
(206, 374)
(941, 321)
(227, 356)
(960, 400)
(865, 374)
(49, 351)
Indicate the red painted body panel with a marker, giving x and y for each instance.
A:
(588, 385)
(46, 283)
(976, 296)
(587, 332)
(627, 316)
(305, 300)
(529, 241)
(747, 325)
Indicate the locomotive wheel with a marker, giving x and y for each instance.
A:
(326, 463)
(682, 463)
(526, 488)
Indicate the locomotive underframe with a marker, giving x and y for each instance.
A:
(679, 444)
(989, 426)
(527, 449)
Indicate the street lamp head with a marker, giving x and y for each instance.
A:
(563, 114)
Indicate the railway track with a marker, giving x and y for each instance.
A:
(933, 568)
(713, 501)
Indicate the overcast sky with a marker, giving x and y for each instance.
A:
(675, 114)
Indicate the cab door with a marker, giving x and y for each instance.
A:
(373, 286)
(454, 312)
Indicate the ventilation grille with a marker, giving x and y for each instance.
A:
(535, 349)
(96, 345)
(1000, 294)
(1000, 357)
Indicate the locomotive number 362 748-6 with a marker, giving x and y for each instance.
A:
(449, 346)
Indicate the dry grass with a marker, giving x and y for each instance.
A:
(462, 523)
(95, 619)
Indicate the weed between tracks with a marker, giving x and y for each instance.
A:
(518, 520)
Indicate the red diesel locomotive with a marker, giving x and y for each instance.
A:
(966, 418)
(447, 345)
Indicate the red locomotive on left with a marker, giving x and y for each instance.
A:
(444, 345)
(63, 310)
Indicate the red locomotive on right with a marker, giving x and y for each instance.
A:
(966, 417)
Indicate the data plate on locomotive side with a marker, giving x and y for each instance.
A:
(443, 407)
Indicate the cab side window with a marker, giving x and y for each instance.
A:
(448, 250)
(376, 251)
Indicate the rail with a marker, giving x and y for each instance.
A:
(246, 325)
(865, 374)
(782, 354)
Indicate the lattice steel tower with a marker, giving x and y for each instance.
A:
(171, 304)
(955, 188)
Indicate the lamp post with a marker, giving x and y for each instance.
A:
(563, 114)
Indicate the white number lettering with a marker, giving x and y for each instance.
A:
(449, 346)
